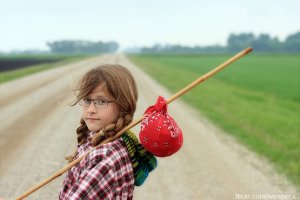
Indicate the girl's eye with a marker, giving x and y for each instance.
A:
(100, 101)
(87, 100)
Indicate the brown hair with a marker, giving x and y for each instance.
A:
(121, 85)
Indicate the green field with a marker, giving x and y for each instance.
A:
(255, 99)
(43, 64)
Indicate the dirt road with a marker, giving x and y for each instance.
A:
(38, 130)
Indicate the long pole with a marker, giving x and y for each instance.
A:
(132, 124)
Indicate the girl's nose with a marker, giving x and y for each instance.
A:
(91, 107)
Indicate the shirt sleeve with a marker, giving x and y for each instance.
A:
(94, 183)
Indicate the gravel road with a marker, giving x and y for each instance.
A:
(38, 130)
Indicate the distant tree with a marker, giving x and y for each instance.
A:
(81, 46)
(265, 43)
(276, 45)
(262, 42)
(292, 42)
(237, 42)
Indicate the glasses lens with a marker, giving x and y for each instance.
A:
(85, 102)
(100, 103)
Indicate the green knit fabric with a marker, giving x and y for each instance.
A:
(142, 161)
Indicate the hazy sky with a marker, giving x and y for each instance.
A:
(30, 24)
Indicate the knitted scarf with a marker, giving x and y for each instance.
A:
(142, 161)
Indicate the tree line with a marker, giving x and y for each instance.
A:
(235, 42)
(82, 47)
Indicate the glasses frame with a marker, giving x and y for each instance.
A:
(105, 105)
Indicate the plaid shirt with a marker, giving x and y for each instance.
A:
(106, 173)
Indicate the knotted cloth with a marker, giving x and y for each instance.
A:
(159, 133)
(142, 161)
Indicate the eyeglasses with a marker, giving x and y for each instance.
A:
(99, 103)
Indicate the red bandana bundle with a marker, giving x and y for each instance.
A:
(159, 133)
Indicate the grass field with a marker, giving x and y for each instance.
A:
(20, 64)
(256, 99)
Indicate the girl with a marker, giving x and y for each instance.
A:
(107, 95)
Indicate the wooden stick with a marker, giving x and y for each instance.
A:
(132, 124)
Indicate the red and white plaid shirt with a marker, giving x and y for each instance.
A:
(106, 173)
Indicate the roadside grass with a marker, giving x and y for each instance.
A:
(27, 70)
(256, 99)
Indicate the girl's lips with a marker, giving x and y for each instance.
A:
(92, 119)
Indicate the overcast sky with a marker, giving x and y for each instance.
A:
(30, 24)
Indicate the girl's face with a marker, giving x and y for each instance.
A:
(98, 117)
